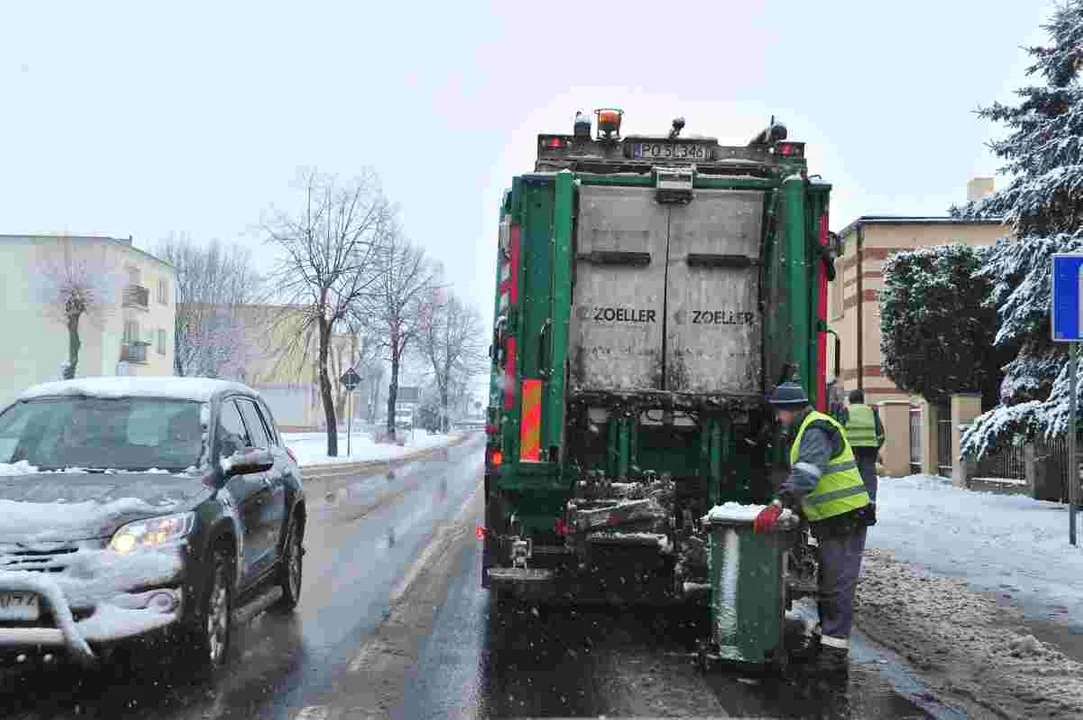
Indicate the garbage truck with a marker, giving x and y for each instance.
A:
(650, 289)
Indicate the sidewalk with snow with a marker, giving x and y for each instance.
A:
(311, 448)
(959, 582)
(997, 543)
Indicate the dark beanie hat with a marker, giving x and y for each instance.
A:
(788, 395)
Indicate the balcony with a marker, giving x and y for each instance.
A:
(134, 352)
(136, 296)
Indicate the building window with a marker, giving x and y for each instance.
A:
(133, 275)
(161, 341)
(131, 332)
(163, 291)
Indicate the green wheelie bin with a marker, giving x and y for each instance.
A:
(746, 577)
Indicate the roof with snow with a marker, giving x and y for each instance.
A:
(176, 388)
(912, 220)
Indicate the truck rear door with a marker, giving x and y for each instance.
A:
(713, 328)
(620, 269)
(667, 296)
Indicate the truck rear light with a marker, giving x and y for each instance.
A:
(495, 458)
(554, 142)
(530, 434)
(562, 528)
(480, 532)
(491, 429)
(609, 121)
(791, 149)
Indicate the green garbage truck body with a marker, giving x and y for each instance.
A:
(649, 290)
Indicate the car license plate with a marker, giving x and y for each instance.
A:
(670, 151)
(18, 606)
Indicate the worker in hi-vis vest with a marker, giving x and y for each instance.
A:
(824, 486)
(866, 435)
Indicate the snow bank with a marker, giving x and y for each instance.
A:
(1009, 544)
(734, 512)
(311, 448)
(175, 388)
(965, 642)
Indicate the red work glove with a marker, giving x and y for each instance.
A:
(767, 519)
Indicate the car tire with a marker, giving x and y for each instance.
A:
(291, 571)
(213, 624)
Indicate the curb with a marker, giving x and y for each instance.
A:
(330, 471)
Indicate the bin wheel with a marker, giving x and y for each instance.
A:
(703, 661)
(780, 661)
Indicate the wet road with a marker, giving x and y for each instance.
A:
(393, 623)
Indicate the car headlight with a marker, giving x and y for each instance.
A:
(152, 533)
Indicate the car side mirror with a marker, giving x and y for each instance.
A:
(247, 461)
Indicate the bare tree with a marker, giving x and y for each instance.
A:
(329, 266)
(451, 342)
(213, 284)
(374, 373)
(75, 279)
(357, 348)
(405, 277)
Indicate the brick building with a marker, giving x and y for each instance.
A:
(853, 298)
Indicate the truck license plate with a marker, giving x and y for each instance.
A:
(669, 151)
(19, 606)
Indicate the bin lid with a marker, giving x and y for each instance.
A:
(732, 513)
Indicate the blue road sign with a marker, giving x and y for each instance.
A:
(1067, 297)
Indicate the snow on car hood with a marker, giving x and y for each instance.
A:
(63, 506)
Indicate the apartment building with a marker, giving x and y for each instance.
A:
(853, 298)
(129, 333)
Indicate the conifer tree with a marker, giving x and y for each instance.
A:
(936, 324)
(1043, 205)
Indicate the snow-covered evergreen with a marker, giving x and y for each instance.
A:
(1043, 203)
(936, 323)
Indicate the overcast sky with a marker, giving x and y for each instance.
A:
(127, 119)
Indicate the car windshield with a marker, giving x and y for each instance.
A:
(102, 434)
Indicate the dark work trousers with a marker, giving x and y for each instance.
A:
(866, 463)
(840, 564)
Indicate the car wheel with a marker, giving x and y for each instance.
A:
(291, 571)
(214, 622)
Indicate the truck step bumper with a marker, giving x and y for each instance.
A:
(530, 576)
(523, 583)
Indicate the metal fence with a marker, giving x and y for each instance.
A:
(915, 440)
(943, 447)
(1051, 468)
(1009, 462)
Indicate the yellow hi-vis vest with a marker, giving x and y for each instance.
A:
(840, 489)
(861, 427)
